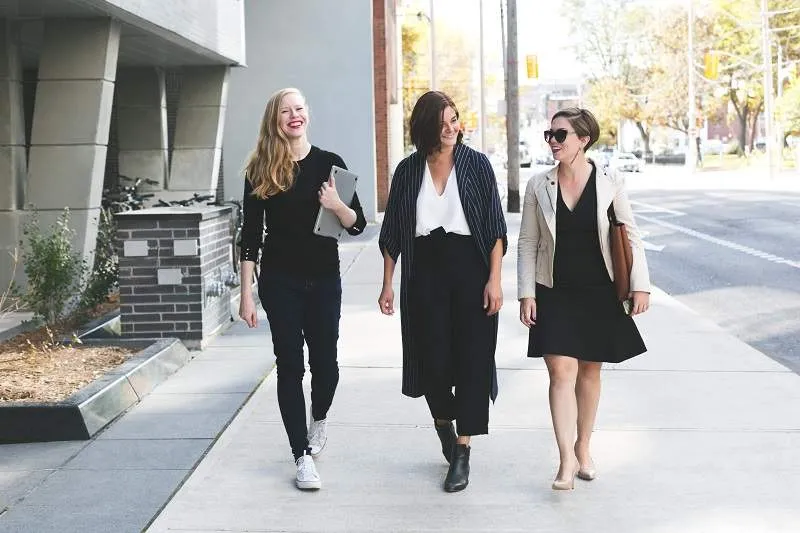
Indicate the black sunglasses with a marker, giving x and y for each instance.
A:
(560, 135)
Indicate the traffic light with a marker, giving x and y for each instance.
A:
(470, 121)
(532, 64)
(711, 70)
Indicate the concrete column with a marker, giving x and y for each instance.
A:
(142, 124)
(12, 150)
(77, 70)
(12, 123)
(198, 131)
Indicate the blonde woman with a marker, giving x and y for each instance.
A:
(286, 181)
(566, 293)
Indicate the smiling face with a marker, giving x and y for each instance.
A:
(450, 128)
(568, 149)
(293, 115)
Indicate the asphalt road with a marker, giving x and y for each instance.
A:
(733, 256)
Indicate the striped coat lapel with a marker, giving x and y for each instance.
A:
(465, 177)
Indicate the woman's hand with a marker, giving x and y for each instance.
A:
(492, 296)
(386, 300)
(247, 310)
(329, 197)
(527, 311)
(641, 302)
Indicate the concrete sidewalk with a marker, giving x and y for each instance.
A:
(701, 434)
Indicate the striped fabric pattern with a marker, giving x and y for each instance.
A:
(477, 187)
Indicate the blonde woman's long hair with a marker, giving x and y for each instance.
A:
(271, 168)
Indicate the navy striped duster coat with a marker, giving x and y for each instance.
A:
(477, 187)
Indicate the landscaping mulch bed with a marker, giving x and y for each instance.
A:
(36, 367)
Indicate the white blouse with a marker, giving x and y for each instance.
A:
(445, 211)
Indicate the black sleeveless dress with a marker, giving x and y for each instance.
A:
(580, 316)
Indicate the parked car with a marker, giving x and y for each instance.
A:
(601, 157)
(545, 158)
(626, 162)
(525, 157)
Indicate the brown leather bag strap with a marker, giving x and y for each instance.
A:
(612, 215)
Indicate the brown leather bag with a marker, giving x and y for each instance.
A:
(621, 256)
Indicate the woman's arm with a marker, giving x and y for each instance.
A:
(386, 298)
(496, 220)
(356, 221)
(493, 293)
(351, 217)
(252, 236)
(528, 245)
(640, 276)
(389, 238)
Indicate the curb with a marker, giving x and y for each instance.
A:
(93, 407)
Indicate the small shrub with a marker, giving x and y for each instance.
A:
(9, 299)
(104, 276)
(53, 269)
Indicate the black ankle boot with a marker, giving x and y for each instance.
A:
(458, 474)
(447, 434)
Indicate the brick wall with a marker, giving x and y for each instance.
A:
(215, 241)
(170, 262)
(379, 13)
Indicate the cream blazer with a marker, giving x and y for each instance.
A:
(537, 235)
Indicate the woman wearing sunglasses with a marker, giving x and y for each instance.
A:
(565, 286)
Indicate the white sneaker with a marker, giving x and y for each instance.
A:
(317, 435)
(307, 476)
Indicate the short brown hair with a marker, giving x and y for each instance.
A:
(425, 125)
(583, 122)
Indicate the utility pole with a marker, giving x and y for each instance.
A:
(482, 124)
(512, 108)
(691, 130)
(433, 47)
(781, 133)
(769, 102)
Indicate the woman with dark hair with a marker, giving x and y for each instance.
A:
(287, 179)
(565, 284)
(445, 219)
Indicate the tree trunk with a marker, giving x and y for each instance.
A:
(754, 126)
(645, 137)
(741, 116)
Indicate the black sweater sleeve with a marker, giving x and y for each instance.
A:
(361, 222)
(253, 224)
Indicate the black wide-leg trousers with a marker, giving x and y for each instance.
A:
(455, 337)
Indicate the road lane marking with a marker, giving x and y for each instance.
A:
(722, 242)
(654, 247)
(651, 208)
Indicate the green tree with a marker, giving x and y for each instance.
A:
(415, 80)
(613, 42)
(788, 108)
(454, 62)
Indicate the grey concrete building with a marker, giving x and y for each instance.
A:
(325, 49)
(93, 89)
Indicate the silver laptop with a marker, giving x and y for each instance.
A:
(327, 223)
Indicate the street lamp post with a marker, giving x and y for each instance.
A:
(769, 99)
(691, 130)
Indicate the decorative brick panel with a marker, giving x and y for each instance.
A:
(167, 295)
